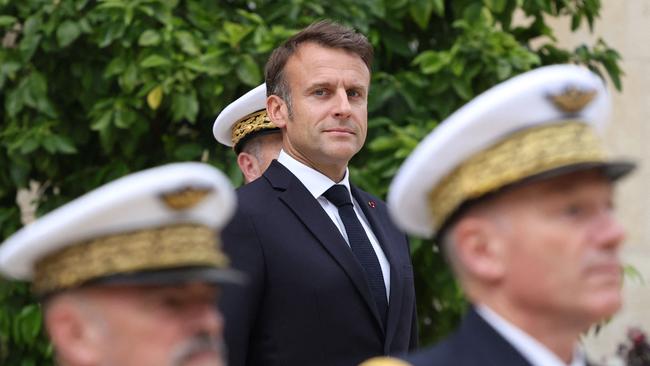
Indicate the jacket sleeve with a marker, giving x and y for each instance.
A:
(240, 304)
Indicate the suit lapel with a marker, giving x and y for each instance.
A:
(298, 199)
(491, 346)
(370, 210)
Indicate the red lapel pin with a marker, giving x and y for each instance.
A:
(372, 204)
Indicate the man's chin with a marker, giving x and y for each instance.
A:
(204, 358)
(342, 151)
(605, 304)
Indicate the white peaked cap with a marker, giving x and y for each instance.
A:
(192, 194)
(518, 104)
(249, 103)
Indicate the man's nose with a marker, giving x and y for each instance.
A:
(342, 108)
(208, 319)
(609, 231)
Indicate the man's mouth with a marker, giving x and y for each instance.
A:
(340, 130)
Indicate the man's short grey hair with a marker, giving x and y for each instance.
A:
(254, 147)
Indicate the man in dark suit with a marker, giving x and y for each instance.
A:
(330, 276)
(522, 207)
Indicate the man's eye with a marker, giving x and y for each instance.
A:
(574, 210)
(353, 93)
(320, 92)
(172, 302)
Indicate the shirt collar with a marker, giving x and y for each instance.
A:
(316, 182)
(535, 352)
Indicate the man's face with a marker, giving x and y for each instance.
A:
(257, 155)
(561, 245)
(158, 325)
(329, 93)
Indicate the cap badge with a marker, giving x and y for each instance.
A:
(185, 198)
(572, 99)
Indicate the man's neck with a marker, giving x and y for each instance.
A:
(335, 172)
(559, 334)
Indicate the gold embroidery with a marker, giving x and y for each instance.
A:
(252, 123)
(521, 155)
(151, 249)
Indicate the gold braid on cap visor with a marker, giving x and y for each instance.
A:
(523, 154)
(151, 249)
(252, 123)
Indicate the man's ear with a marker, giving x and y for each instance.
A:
(479, 248)
(75, 337)
(249, 166)
(276, 109)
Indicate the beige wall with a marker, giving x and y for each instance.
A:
(625, 26)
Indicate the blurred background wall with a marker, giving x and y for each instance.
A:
(625, 26)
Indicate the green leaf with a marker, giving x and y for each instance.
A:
(154, 61)
(129, 79)
(432, 62)
(421, 12)
(29, 146)
(7, 20)
(149, 38)
(103, 122)
(463, 89)
(63, 144)
(497, 6)
(28, 46)
(248, 71)
(382, 143)
(14, 102)
(49, 143)
(67, 32)
(116, 66)
(632, 273)
(124, 117)
(188, 43)
(184, 106)
(190, 151)
(234, 33)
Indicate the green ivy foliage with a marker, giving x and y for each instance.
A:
(93, 90)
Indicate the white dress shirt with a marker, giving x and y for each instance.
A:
(532, 350)
(317, 183)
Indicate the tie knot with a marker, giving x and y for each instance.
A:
(338, 194)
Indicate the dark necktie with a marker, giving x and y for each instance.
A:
(360, 244)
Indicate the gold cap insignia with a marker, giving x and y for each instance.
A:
(572, 99)
(185, 198)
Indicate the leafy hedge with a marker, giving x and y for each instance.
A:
(93, 90)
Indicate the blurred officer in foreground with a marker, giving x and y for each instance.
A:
(129, 273)
(519, 192)
(245, 126)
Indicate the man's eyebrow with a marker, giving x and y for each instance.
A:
(323, 84)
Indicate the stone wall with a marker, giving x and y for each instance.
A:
(625, 26)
